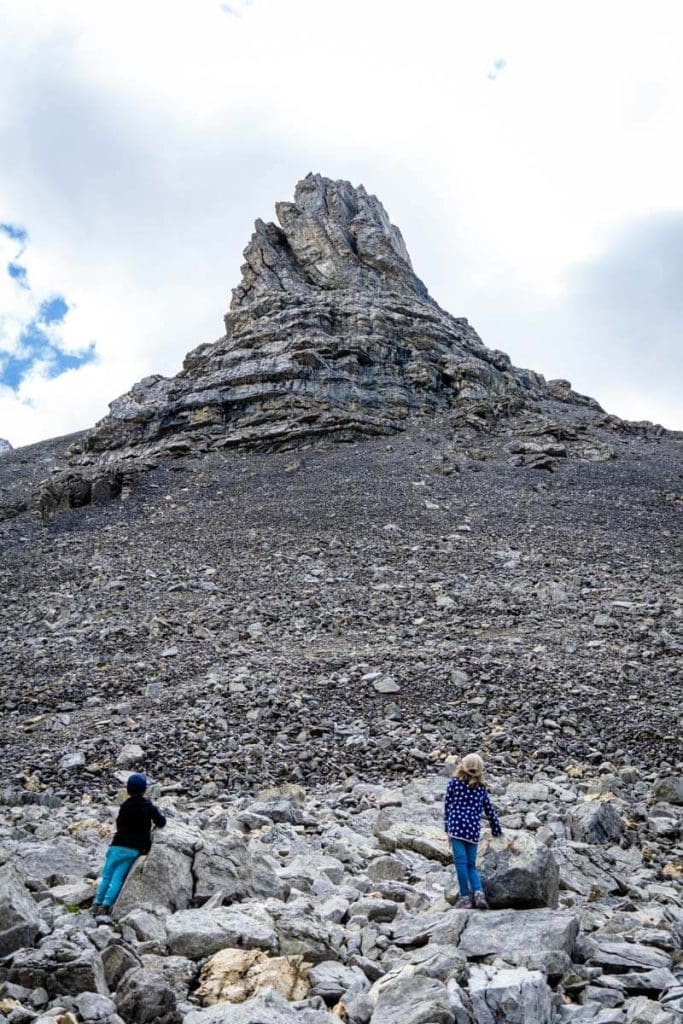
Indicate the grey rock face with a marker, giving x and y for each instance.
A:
(411, 999)
(144, 997)
(669, 790)
(267, 1008)
(330, 333)
(53, 863)
(5, 446)
(501, 932)
(20, 920)
(519, 871)
(198, 933)
(515, 995)
(162, 878)
(58, 966)
(226, 866)
(596, 822)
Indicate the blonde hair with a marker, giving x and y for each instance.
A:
(471, 771)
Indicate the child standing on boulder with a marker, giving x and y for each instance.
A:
(133, 838)
(466, 799)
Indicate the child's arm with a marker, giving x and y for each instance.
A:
(157, 817)
(492, 816)
(447, 804)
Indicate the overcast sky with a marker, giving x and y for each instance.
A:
(529, 152)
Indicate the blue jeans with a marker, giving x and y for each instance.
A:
(465, 859)
(117, 864)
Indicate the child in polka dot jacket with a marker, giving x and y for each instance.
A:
(466, 799)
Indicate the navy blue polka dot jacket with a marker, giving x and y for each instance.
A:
(462, 811)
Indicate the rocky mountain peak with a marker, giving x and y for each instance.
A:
(330, 334)
(333, 237)
(5, 446)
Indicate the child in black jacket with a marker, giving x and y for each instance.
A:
(133, 837)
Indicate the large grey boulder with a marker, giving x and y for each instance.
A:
(502, 932)
(623, 956)
(266, 1008)
(20, 919)
(227, 866)
(331, 980)
(53, 862)
(305, 870)
(510, 995)
(300, 932)
(145, 997)
(60, 967)
(443, 928)
(413, 828)
(117, 959)
(163, 878)
(586, 870)
(595, 821)
(94, 1007)
(278, 809)
(642, 1010)
(199, 933)
(518, 871)
(668, 789)
(410, 998)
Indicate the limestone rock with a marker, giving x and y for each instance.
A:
(235, 975)
(596, 821)
(59, 967)
(20, 919)
(266, 1008)
(162, 878)
(227, 866)
(513, 995)
(500, 932)
(410, 998)
(55, 862)
(144, 997)
(669, 789)
(518, 871)
(396, 830)
(198, 933)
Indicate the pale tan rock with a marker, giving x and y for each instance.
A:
(235, 975)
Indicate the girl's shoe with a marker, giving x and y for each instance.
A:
(479, 901)
(464, 903)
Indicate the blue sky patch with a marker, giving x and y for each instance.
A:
(38, 344)
(18, 272)
(14, 232)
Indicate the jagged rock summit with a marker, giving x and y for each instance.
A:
(5, 446)
(330, 333)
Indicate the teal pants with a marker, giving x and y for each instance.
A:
(117, 864)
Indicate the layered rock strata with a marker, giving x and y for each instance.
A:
(329, 333)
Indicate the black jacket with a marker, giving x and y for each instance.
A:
(134, 823)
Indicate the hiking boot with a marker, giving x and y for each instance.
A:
(464, 903)
(479, 901)
(96, 909)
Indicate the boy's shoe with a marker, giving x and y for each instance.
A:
(96, 909)
(464, 903)
(479, 901)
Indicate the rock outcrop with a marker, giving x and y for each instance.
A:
(5, 446)
(330, 333)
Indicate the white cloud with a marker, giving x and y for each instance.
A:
(143, 139)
